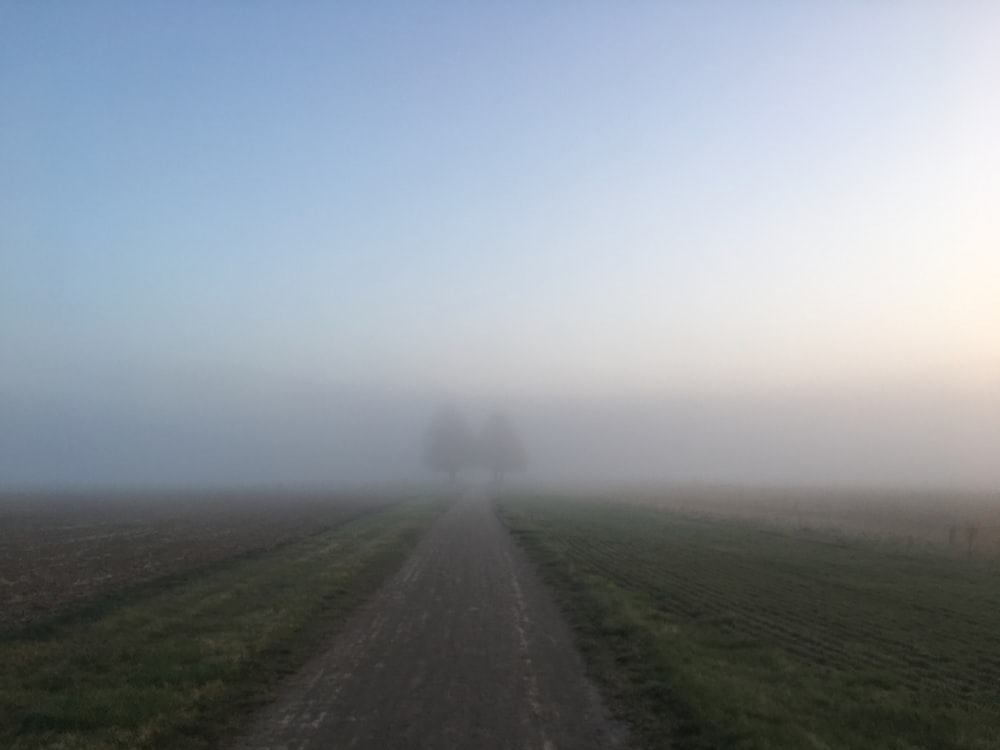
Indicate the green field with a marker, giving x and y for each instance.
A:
(712, 633)
(179, 662)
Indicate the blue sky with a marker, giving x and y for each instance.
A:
(504, 203)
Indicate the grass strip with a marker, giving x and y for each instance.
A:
(180, 663)
(716, 634)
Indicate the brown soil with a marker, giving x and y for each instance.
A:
(463, 648)
(60, 552)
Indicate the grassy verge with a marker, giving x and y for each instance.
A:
(179, 663)
(716, 634)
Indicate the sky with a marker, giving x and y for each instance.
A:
(261, 242)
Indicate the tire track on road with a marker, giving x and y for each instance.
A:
(462, 648)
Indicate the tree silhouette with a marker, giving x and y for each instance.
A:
(448, 446)
(500, 448)
(971, 533)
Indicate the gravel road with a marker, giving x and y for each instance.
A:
(463, 648)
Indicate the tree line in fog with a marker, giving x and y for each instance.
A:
(451, 445)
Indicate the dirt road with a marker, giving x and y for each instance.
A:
(463, 648)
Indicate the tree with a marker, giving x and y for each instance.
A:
(971, 532)
(500, 448)
(448, 444)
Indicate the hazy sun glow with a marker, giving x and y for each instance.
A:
(205, 212)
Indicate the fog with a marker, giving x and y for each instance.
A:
(737, 244)
(314, 436)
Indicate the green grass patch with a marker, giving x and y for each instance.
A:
(722, 634)
(180, 662)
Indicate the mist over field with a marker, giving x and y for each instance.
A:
(724, 244)
(311, 436)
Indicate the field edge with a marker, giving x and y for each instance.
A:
(183, 663)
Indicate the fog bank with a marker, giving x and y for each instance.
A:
(312, 435)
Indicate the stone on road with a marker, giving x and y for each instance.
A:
(463, 648)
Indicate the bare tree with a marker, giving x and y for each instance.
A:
(448, 445)
(971, 533)
(500, 448)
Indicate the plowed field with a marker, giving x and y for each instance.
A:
(58, 552)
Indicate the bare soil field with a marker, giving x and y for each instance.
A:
(59, 552)
(463, 648)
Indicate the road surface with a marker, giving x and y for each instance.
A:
(463, 648)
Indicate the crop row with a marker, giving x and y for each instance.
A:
(932, 624)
